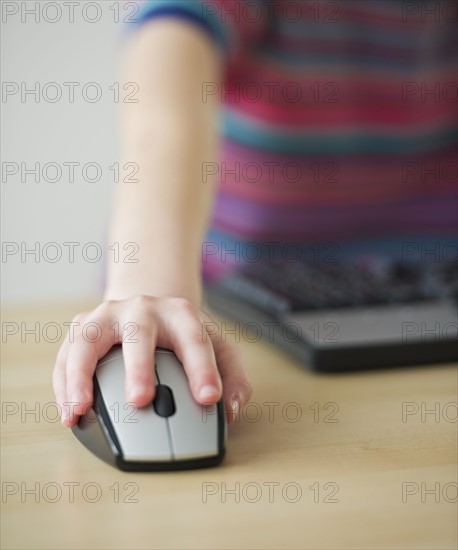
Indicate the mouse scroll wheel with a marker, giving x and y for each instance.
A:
(163, 402)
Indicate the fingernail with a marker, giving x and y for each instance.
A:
(235, 407)
(208, 392)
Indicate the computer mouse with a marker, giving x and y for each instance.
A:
(173, 433)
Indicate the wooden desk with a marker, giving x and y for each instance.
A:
(348, 473)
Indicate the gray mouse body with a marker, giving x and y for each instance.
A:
(174, 432)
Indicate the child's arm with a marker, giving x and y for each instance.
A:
(169, 133)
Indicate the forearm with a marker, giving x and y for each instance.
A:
(169, 134)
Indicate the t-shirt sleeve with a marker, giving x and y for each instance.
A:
(233, 24)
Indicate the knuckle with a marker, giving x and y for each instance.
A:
(79, 318)
(180, 305)
(142, 301)
(105, 308)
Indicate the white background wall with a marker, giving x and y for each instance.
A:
(43, 212)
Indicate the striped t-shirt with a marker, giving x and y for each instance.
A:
(339, 121)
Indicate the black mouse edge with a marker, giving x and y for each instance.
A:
(117, 459)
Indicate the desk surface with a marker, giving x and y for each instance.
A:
(316, 461)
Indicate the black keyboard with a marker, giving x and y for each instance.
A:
(298, 286)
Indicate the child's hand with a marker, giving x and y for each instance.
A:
(213, 366)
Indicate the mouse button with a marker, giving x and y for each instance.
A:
(193, 427)
(114, 353)
(164, 351)
(143, 436)
(110, 375)
(163, 402)
(141, 433)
